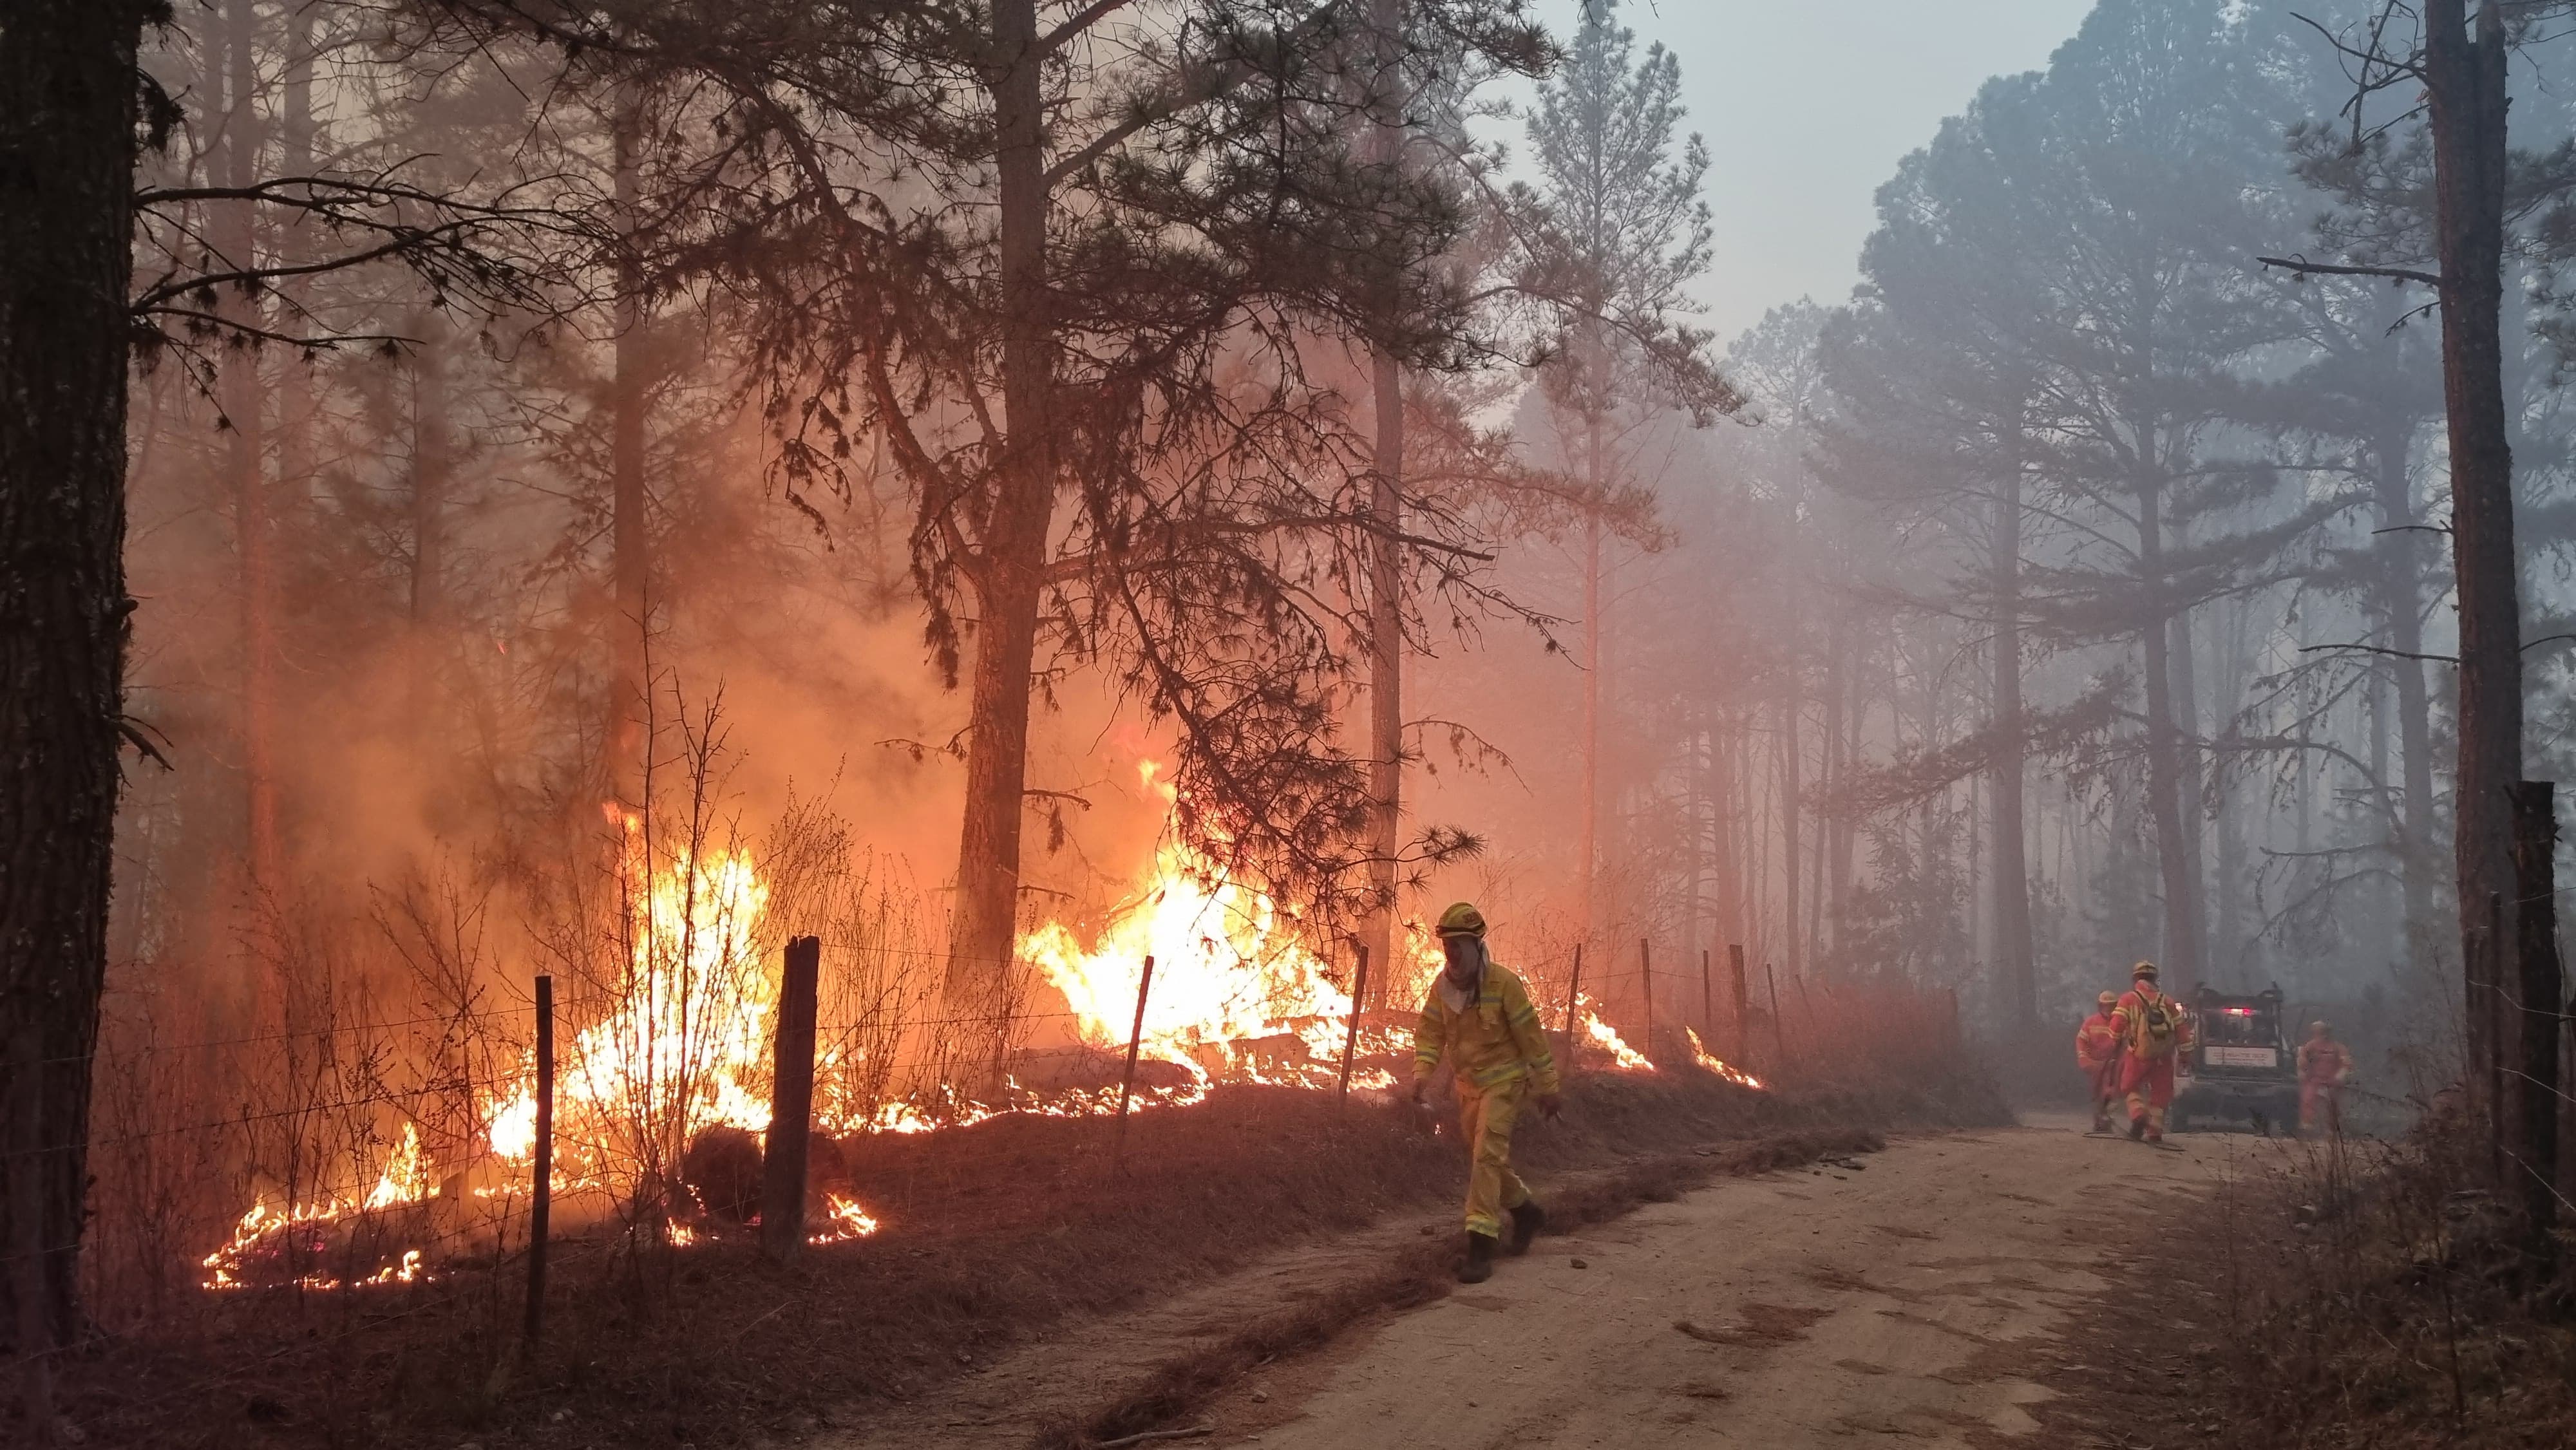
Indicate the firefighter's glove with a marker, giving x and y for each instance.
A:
(1551, 1104)
(1422, 1092)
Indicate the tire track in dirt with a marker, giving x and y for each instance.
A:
(1802, 1308)
(1176, 1351)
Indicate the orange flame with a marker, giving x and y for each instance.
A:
(1720, 1066)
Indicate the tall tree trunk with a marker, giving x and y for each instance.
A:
(2013, 955)
(67, 128)
(2401, 610)
(1829, 774)
(1588, 847)
(1008, 573)
(630, 561)
(2464, 87)
(1386, 508)
(1793, 945)
(244, 400)
(2164, 760)
(2191, 786)
(296, 134)
(431, 465)
(1386, 667)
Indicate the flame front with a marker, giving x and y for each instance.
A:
(1720, 1066)
(1236, 995)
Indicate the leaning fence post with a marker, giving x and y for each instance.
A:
(1646, 979)
(791, 1103)
(1135, 1041)
(1350, 1044)
(1779, 1033)
(541, 1190)
(1573, 996)
(1743, 1013)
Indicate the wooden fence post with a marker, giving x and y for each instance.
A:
(1646, 979)
(541, 1189)
(1743, 1010)
(1779, 1030)
(1573, 998)
(1135, 1041)
(2496, 1039)
(1707, 999)
(1350, 1044)
(791, 1103)
(2537, 996)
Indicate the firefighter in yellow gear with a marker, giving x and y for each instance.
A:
(1477, 1017)
(2155, 1034)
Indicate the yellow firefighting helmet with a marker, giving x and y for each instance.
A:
(2143, 969)
(1462, 919)
(2108, 999)
(2316, 1029)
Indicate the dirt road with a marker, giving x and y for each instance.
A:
(1908, 1296)
(1803, 1308)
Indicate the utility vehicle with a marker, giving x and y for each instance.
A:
(2243, 1068)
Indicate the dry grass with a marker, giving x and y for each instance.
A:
(992, 1233)
(2346, 1298)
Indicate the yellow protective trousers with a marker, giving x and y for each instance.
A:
(1485, 1116)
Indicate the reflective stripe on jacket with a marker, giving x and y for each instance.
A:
(2327, 1062)
(2096, 1042)
(2131, 1019)
(1493, 1040)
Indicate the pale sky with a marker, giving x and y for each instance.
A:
(1808, 105)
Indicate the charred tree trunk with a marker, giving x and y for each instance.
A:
(1007, 573)
(67, 150)
(2464, 88)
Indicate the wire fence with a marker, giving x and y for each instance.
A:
(342, 1150)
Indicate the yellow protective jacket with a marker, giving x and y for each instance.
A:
(1489, 1041)
(2131, 1018)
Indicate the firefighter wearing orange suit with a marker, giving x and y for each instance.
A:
(1477, 1017)
(2097, 1056)
(2324, 1066)
(2154, 1034)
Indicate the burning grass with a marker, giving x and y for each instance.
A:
(987, 1233)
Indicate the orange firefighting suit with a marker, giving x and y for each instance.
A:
(2147, 1060)
(1493, 1043)
(2323, 1065)
(2097, 1055)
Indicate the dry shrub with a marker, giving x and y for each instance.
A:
(2343, 1294)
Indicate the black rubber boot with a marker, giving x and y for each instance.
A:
(1478, 1266)
(1527, 1220)
(2137, 1129)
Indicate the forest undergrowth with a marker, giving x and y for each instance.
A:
(2332, 1296)
(995, 1232)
